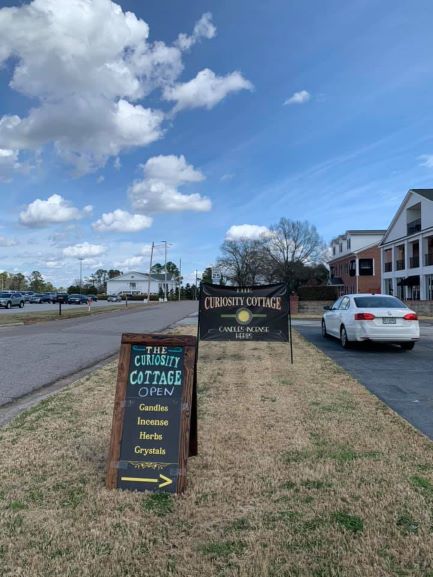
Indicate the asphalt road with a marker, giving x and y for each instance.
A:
(33, 356)
(402, 379)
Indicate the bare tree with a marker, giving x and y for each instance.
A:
(292, 246)
(242, 260)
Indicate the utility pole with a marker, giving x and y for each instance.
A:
(165, 270)
(150, 271)
(179, 278)
(80, 258)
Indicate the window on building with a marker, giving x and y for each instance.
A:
(365, 267)
(341, 247)
(333, 250)
(352, 268)
(132, 285)
(348, 244)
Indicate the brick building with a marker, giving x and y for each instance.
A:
(355, 266)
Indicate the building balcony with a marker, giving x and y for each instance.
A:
(414, 262)
(387, 267)
(399, 265)
(428, 259)
(414, 227)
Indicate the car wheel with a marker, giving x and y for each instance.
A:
(345, 343)
(8, 305)
(21, 304)
(407, 346)
(324, 331)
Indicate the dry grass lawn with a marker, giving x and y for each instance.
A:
(34, 316)
(301, 473)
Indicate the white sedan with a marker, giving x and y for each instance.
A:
(367, 317)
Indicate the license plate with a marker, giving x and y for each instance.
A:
(390, 321)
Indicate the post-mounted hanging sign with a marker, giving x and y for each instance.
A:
(258, 313)
(152, 413)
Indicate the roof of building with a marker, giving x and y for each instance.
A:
(358, 232)
(154, 276)
(425, 192)
(354, 253)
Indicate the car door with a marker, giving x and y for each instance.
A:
(331, 318)
(343, 313)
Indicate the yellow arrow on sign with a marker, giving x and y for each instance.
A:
(166, 480)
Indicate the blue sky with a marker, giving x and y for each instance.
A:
(318, 111)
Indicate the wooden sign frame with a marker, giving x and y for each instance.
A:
(188, 395)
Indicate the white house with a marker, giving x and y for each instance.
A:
(407, 248)
(136, 283)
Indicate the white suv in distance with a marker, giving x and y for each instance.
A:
(11, 299)
(367, 317)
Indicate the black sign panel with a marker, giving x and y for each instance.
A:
(152, 414)
(258, 313)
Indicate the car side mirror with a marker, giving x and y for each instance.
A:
(327, 308)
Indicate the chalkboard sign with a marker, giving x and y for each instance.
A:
(152, 413)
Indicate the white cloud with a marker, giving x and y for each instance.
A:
(204, 28)
(226, 177)
(84, 250)
(54, 210)
(249, 231)
(122, 221)
(426, 160)
(8, 163)
(130, 262)
(146, 250)
(87, 66)
(7, 242)
(158, 191)
(54, 264)
(298, 98)
(205, 90)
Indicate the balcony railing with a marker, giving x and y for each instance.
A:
(414, 262)
(428, 259)
(387, 267)
(399, 264)
(414, 226)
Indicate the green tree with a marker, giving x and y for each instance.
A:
(37, 282)
(112, 273)
(100, 279)
(157, 268)
(18, 282)
(207, 275)
(172, 269)
(4, 280)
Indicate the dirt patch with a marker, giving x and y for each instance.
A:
(300, 472)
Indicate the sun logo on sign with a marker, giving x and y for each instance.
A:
(244, 316)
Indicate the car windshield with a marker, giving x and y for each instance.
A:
(379, 302)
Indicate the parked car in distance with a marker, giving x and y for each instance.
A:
(40, 298)
(114, 299)
(93, 298)
(11, 299)
(61, 298)
(367, 317)
(27, 295)
(77, 299)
